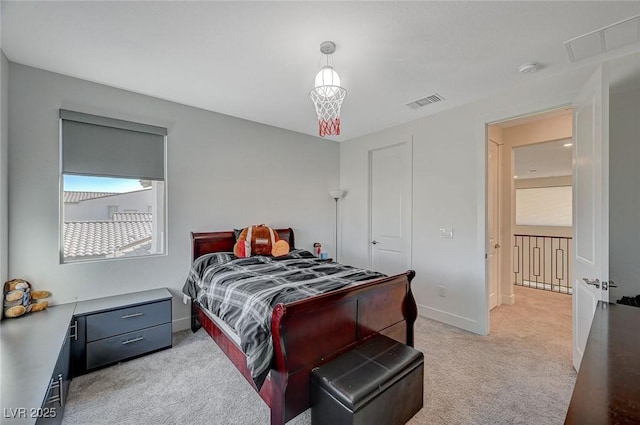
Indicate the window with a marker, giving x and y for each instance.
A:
(544, 206)
(113, 188)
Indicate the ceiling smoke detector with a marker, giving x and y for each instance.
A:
(529, 68)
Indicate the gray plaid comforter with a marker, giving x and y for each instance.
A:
(244, 291)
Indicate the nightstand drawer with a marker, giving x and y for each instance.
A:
(114, 349)
(116, 322)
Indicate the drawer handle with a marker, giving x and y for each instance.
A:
(55, 384)
(129, 341)
(74, 335)
(61, 384)
(129, 316)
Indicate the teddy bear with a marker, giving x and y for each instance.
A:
(260, 240)
(19, 299)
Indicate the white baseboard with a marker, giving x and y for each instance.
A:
(508, 299)
(181, 324)
(450, 319)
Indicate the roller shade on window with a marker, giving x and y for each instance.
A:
(544, 206)
(100, 146)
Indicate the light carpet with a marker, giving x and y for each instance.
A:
(520, 374)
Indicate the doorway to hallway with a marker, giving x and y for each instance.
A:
(529, 206)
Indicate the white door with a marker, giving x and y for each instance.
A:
(492, 218)
(390, 209)
(591, 206)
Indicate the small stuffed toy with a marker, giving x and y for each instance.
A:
(260, 240)
(19, 299)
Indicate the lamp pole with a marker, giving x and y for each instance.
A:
(336, 194)
(336, 226)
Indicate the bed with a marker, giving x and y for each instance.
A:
(311, 331)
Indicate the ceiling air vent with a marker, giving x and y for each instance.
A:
(428, 100)
(604, 39)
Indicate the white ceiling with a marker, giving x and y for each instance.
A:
(548, 159)
(257, 60)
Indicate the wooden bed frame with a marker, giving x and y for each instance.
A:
(310, 332)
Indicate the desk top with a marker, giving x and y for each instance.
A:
(29, 349)
(607, 389)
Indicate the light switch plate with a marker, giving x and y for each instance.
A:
(446, 233)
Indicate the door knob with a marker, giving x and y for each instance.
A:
(594, 282)
(496, 246)
(374, 242)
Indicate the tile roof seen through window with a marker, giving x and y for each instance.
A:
(104, 238)
(75, 197)
(96, 231)
(132, 216)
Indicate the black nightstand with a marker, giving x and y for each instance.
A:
(109, 330)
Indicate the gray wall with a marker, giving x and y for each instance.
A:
(4, 172)
(624, 195)
(449, 173)
(223, 172)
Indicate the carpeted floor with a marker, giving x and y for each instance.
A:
(520, 374)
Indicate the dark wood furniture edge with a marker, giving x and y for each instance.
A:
(286, 391)
(293, 370)
(607, 390)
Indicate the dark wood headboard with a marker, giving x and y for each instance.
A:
(206, 242)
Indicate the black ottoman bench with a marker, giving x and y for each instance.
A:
(377, 383)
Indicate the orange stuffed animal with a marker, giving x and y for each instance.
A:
(260, 240)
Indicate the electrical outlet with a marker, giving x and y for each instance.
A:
(446, 233)
(442, 291)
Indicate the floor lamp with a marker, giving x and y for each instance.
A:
(336, 194)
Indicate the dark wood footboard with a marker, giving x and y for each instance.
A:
(313, 331)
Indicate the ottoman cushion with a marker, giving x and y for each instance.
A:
(382, 378)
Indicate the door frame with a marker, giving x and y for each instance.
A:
(482, 125)
(409, 143)
(498, 219)
(507, 208)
